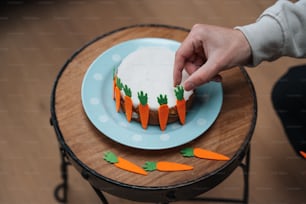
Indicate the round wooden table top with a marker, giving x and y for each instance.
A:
(85, 145)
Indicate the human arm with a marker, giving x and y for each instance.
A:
(208, 50)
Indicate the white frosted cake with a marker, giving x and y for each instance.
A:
(147, 73)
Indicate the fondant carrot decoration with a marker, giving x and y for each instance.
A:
(123, 163)
(203, 154)
(128, 104)
(143, 109)
(114, 81)
(118, 88)
(180, 103)
(303, 154)
(166, 166)
(163, 111)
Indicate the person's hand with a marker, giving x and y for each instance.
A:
(208, 50)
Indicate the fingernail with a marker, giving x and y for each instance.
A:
(175, 83)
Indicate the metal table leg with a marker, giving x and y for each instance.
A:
(100, 195)
(245, 198)
(63, 187)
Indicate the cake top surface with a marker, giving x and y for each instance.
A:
(150, 69)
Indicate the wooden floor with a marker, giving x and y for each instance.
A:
(37, 37)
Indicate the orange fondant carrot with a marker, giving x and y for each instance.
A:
(203, 154)
(114, 88)
(114, 82)
(128, 107)
(118, 88)
(181, 110)
(128, 104)
(144, 115)
(143, 109)
(163, 111)
(166, 166)
(303, 154)
(180, 103)
(123, 163)
(117, 98)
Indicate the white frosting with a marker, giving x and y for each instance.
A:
(150, 69)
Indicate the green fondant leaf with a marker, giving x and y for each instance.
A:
(110, 157)
(119, 84)
(114, 72)
(162, 99)
(179, 92)
(187, 152)
(143, 97)
(149, 166)
(127, 91)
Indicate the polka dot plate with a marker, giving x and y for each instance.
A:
(99, 106)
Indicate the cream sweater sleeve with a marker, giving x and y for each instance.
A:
(279, 31)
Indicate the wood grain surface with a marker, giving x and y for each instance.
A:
(228, 134)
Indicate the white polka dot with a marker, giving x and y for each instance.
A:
(98, 76)
(116, 57)
(103, 118)
(137, 138)
(164, 137)
(94, 101)
(201, 121)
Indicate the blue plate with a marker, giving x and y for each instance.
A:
(98, 103)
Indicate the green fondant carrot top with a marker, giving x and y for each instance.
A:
(143, 97)
(179, 92)
(127, 91)
(162, 99)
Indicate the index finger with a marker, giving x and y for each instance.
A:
(184, 52)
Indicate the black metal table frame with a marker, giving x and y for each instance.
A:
(61, 191)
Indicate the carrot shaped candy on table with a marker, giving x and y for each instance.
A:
(180, 103)
(128, 104)
(203, 154)
(118, 88)
(166, 166)
(143, 109)
(163, 111)
(123, 163)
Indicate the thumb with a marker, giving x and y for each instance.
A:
(203, 75)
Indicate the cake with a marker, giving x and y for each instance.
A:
(144, 91)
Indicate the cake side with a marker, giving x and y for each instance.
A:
(153, 114)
